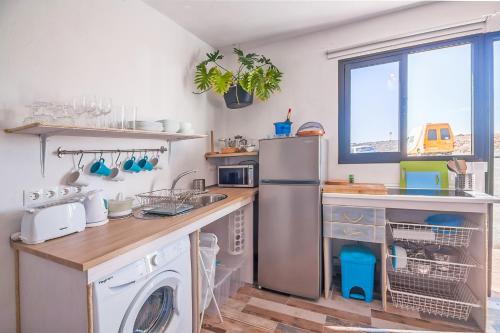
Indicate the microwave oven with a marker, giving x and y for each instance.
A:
(246, 175)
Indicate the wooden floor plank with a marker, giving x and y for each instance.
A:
(289, 310)
(284, 318)
(413, 322)
(258, 322)
(284, 328)
(339, 314)
(252, 310)
(212, 325)
(263, 294)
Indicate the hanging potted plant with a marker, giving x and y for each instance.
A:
(256, 74)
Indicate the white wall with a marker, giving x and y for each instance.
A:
(61, 49)
(310, 82)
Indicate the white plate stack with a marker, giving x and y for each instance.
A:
(169, 125)
(144, 125)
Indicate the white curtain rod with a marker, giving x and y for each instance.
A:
(462, 28)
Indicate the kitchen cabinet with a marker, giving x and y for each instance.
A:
(450, 290)
(56, 278)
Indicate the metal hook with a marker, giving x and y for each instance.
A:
(80, 167)
(100, 156)
(119, 154)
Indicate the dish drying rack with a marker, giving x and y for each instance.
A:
(442, 289)
(166, 201)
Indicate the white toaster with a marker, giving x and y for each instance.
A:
(44, 223)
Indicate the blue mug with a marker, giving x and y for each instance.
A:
(131, 166)
(99, 168)
(145, 164)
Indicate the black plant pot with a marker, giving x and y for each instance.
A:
(237, 98)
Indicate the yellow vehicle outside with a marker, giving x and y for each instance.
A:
(431, 139)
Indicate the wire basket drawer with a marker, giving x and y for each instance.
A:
(443, 270)
(431, 234)
(437, 297)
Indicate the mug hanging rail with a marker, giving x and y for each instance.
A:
(61, 152)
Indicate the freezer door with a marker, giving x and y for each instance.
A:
(294, 158)
(289, 239)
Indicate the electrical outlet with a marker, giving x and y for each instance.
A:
(64, 191)
(76, 189)
(52, 193)
(32, 197)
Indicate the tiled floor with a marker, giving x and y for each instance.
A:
(254, 311)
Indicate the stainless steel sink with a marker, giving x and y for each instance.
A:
(203, 200)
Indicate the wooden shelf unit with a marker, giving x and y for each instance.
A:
(220, 155)
(42, 129)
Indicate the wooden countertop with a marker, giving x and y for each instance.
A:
(94, 246)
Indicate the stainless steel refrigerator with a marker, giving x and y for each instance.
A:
(289, 230)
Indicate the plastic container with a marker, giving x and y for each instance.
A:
(208, 251)
(228, 279)
(357, 264)
(445, 220)
(283, 128)
(222, 289)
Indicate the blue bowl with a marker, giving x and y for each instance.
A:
(445, 220)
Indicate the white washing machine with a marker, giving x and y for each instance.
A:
(150, 295)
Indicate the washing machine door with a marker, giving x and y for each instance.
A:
(155, 309)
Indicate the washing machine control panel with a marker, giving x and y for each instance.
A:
(167, 254)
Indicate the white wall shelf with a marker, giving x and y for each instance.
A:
(43, 131)
(65, 130)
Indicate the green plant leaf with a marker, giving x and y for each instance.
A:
(202, 77)
(214, 56)
(238, 52)
(256, 74)
(221, 81)
(245, 82)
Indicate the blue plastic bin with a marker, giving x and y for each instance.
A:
(283, 128)
(357, 265)
(445, 220)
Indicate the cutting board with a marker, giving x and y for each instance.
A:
(358, 188)
(337, 182)
(419, 169)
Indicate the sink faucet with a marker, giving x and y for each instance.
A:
(182, 174)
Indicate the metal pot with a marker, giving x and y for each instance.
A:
(442, 253)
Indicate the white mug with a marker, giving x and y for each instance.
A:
(77, 177)
(116, 175)
(185, 126)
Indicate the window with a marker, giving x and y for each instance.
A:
(416, 103)
(440, 97)
(432, 135)
(445, 134)
(374, 108)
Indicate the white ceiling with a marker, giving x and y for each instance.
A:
(222, 22)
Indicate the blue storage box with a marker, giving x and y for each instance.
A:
(357, 266)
